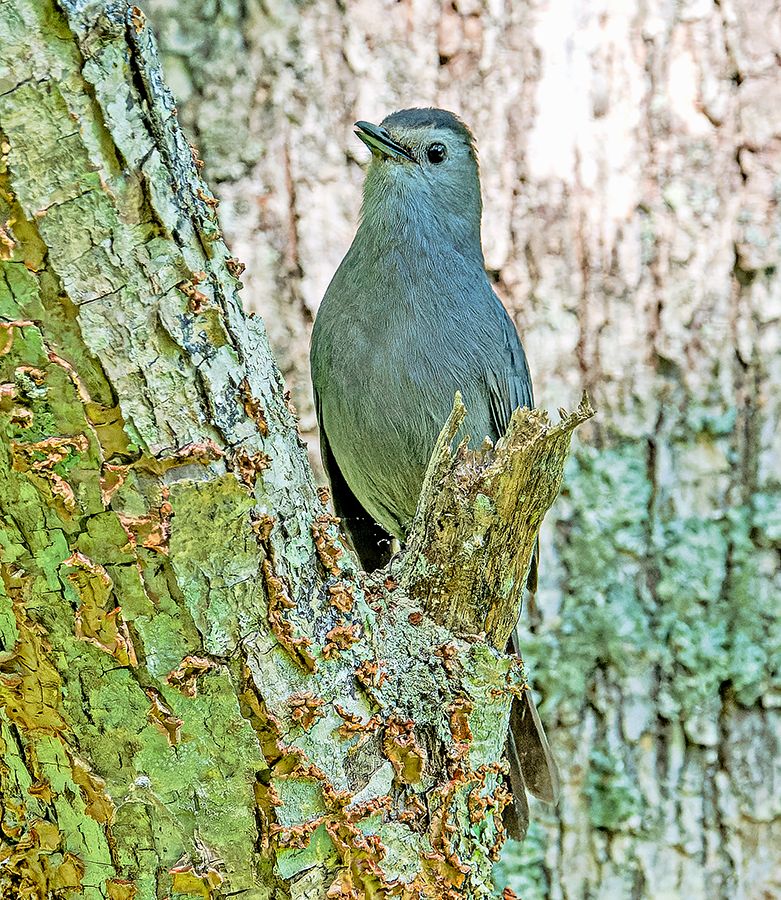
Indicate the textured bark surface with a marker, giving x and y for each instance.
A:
(128, 375)
(199, 695)
(630, 157)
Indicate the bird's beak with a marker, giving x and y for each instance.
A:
(378, 141)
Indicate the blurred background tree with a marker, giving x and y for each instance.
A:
(630, 158)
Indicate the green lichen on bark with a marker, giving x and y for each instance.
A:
(92, 449)
(649, 587)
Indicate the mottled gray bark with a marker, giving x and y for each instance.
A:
(630, 157)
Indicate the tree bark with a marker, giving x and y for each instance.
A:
(629, 158)
(200, 694)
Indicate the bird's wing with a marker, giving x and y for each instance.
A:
(515, 816)
(369, 540)
(509, 384)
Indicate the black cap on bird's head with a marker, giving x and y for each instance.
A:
(427, 118)
(401, 135)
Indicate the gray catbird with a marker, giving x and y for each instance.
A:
(409, 319)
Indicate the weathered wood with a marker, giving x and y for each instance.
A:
(477, 522)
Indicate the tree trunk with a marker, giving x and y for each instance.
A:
(200, 693)
(629, 158)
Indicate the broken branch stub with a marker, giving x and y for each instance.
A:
(471, 543)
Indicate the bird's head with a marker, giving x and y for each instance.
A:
(423, 174)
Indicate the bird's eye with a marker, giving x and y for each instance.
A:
(436, 153)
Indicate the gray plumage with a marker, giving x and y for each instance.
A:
(409, 319)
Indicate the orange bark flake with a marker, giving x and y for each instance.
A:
(117, 889)
(197, 161)
(41, 789)
(98, 804)
(477, 806)
(111, 480)
(96, 623)
(400, 746)
(459, 712)
(369, 808)
(341, 596)
(441, 802)
(415, 811)
(304, 769)
(163, 718)
(68, 875)
(343, 887)
(9, 328)
(269, 729)
(448, 654)
(248, 466)
(294, 838)
(21, 417)
(234, 266)
(211, 202)
(74, 376)
(184, 679)
(325, 530)
(289, 404)
(36, 375)
(138, 19)
(352, 725)
(371, 674)
(41, 834)
(152, 531)
(342, 637)
(447, 876)
(498, 800)
(279, 600)
(305, 708)
(267, 795)
(263, 526)
(197, 299)
(336, 800)
(253, 407)
(200, 880)
(7, 244)
(38, 459)
(362, 853)
(196, 451)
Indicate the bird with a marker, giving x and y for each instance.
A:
(410, 318)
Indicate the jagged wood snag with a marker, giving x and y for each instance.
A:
(478, 518)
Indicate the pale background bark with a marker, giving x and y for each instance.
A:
(629, 157)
